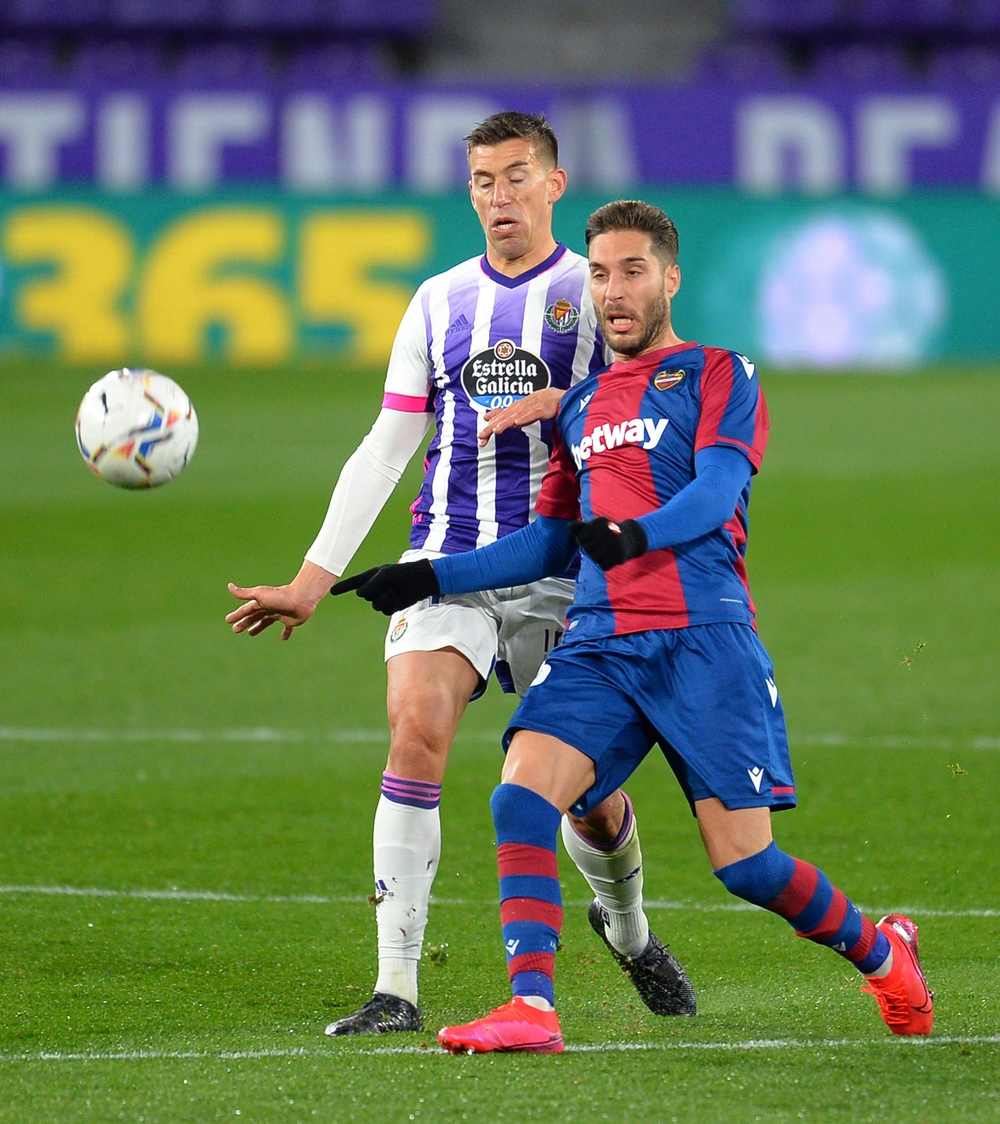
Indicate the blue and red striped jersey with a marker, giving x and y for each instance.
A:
(625, 442)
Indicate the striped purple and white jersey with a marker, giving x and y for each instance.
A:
(473, 340)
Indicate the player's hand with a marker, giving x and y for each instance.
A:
(289, 605)
(391, 588)
(267, 605)
(609, 543)
(542, 405)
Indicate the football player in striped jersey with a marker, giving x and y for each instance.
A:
(513, 327)
(650, 476)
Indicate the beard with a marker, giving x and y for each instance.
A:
(651, 321)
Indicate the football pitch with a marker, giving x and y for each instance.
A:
(186, 814)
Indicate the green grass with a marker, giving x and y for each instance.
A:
(874, 565)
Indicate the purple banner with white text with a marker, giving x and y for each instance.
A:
(816, 138)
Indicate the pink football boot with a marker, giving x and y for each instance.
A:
(514, 1026)
(906, 1003)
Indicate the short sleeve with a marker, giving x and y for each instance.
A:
(559, 496)
(733, 410)
(408, 385)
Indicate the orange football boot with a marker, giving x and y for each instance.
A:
(514, 1026)
(906, 1003)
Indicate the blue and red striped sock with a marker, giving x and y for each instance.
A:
(530, 898)
(805, 897)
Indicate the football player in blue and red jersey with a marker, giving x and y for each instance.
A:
(650, 476)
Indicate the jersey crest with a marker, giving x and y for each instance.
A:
(562, 315)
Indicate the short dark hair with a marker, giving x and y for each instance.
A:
(632, 214)
(511, 125)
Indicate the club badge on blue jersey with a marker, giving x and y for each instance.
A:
(666, 379)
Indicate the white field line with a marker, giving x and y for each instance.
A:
(255, 734)
(269, 734)
(333, 1053)
(478, 903)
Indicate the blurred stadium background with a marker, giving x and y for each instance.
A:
(259, 181)
(243, 194)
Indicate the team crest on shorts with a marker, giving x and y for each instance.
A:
(666, 379)
(562, 316)
(398, 630)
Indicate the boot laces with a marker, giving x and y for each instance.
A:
(893, 1002)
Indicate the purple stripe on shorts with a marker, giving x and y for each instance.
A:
(417, 794)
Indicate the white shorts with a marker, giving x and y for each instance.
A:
(507, 630)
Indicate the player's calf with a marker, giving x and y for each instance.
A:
(531, 914)
(613, 870)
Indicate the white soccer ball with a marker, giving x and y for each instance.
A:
(136, 428)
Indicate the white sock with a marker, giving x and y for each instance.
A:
(883, 970)
(615, 876)
(537, 1001)
(407, 848)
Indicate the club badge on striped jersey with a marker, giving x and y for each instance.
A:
(562, 316)
(503, 373)
(666, 379)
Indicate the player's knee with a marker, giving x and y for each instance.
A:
(603, 824)
(415, 746)
(760, 878)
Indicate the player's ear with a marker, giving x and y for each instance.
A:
(673, 279)
(557, 184)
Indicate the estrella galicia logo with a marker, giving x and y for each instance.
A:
(503, 373)
(562, 316)
(666, 379)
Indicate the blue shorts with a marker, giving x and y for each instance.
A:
(706, 694)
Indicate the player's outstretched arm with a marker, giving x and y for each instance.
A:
(539, 550)
(290, 605)
(542, 405)
(365, 483)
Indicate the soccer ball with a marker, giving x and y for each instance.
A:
(136, 428)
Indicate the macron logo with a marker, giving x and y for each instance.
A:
(772, 690)
(583, 402)
(747, 365)
(756, 775)
(639, 431)
(511, 947)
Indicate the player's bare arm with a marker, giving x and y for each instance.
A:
(542, 405)
(364, 485)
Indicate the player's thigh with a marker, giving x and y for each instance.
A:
(468, 623)
(581, 696)
(709, 690)
(439, 654)
(531, 625)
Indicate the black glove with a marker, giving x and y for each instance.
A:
(609, 543)
(391, 588)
